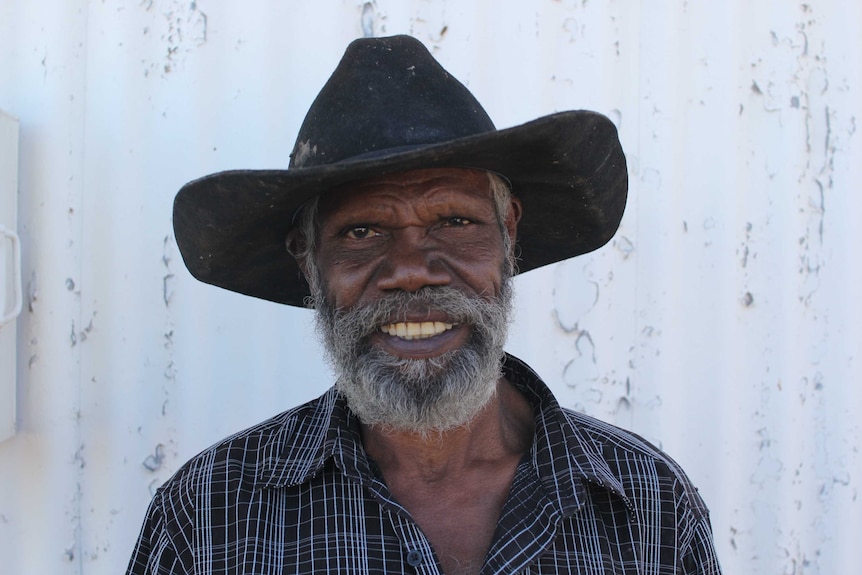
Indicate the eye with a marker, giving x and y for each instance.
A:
(361, 232)
(457, 222)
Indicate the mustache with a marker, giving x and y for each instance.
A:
(360, 321)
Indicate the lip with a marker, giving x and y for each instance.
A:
(425, 347)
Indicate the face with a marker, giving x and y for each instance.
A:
(414, 294)
(424, 228)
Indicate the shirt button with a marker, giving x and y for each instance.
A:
(414, 558)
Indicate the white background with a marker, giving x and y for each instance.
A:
(723, 322)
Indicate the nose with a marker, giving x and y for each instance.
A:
(412, 264)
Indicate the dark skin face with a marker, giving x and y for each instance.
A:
(405, 231)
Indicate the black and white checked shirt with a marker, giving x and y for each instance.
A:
(298, 494)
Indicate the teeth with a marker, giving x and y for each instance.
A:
(416, 330)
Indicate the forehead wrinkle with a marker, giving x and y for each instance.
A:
(379, 201)
(373, 208)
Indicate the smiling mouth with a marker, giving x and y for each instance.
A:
(416, 330)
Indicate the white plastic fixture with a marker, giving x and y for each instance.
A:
(11, 276)
(11, 297)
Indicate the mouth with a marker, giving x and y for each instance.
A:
(411, 330)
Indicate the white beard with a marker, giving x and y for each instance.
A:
(418, 395)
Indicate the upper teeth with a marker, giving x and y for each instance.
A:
(416, 330)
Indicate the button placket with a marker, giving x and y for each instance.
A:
(418, 552)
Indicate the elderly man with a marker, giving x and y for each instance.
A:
(405, 215)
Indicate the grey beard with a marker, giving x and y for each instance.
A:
(417, 395)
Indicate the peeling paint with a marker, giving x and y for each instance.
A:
(368, 17)
(624, 246)
(180, 27)
(78, 458)
(170, 371)
(582, 367)
(80, 336)
(574, 297)
(32, 293)
(154, 461)
(167, 290)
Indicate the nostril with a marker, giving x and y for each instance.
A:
(412, 273)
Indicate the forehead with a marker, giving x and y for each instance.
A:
(429, 186)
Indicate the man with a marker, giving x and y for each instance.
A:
(435, 452)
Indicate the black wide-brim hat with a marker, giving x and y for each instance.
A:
(390, 107)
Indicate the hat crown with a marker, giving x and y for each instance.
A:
(386, 94)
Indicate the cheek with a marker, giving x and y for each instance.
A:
(479, 263)
(344, 279)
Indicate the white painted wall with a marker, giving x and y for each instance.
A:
(722, 322)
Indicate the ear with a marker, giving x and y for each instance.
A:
(512, 219)
(296, 246)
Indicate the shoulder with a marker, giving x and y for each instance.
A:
(633, 461)
(227, 479)
(604, 454)
(247, 458)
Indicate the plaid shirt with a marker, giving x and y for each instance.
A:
(298, 494)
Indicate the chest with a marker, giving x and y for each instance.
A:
(335, 525)
(459, 523)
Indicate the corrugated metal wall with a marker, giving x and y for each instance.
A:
(722, 322)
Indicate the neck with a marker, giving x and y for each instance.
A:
(503, 429)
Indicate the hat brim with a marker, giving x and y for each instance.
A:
(567, 169)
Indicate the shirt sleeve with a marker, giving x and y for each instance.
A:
(699, 556)
(155, 552)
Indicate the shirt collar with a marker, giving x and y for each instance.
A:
(563, 454)
(326, 431)
(321, 432)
